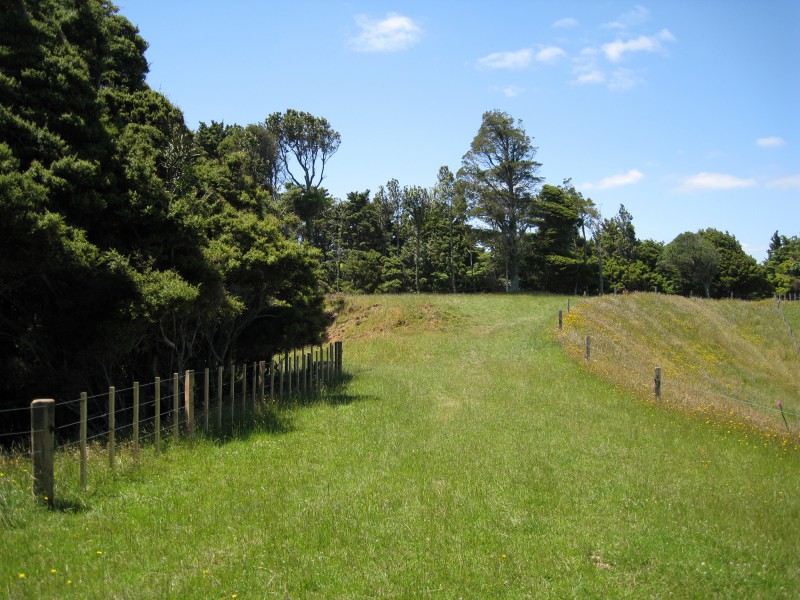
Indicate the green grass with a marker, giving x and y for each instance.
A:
(467, 456)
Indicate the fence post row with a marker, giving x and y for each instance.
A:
(308, 369)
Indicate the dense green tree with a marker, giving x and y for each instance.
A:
(127, 244)
(693, 260)
(739, 273)
(305, 144)
(551, 248)
(783, 263)
(499, 175)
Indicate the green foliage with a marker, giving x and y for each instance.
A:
(499, 177)
(693, 261)
(739, 273)
(783, 264)
(127, 243)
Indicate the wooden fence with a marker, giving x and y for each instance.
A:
(178, 406)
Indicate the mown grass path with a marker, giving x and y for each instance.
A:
(467, 457)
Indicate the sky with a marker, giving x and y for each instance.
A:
(685, 111)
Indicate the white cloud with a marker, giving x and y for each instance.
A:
(632, 18)
(590, 77)
(643, 43)
(565, 22)
(714, 181)
(520, 59)
(393, 33)
(507, 60)
(550, 54)
(629, 178)
(622, 80)
(790, 182)
(772, 141)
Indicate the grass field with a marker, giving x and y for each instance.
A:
(467, 456)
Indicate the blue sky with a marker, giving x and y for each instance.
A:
(686, 112)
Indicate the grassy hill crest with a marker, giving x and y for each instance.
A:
(717, 356)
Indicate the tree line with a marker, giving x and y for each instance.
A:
(131, 245)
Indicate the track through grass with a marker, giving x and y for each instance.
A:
(466, 457)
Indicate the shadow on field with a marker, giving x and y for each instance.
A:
(277, 417)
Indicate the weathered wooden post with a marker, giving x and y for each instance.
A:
(220, 375)
(657, 382)
(206, 398)
(281, 369)
(253, 390)
(303, 372)
(84, 419)
(296, 372)
(175, 405)
(560, 320)
(588, 348)
(339, 358)
(188, 402)
(233, 392)
(112, 424)
(43, 414)
(287, 361)
(272, 380)
(136, 420)
(244, 392)
(262, 371)
(158, 415)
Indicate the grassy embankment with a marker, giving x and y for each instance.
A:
(466, 457)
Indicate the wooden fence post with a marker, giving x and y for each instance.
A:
(84, 419)
(43, 412)
(112, 424)
(188, 402)
(288, 362)
(296, 372)
(657, 382)
(588, 348)
(320, 373)
(233, 392)
(136, 420)
(560, 320)
(220, 375)
(272, 380)
(158, 415)
(262, 371)
(206, 398)
(281, 369)
(244, 392)
(339, 358)
(255, 390)
(175, 415)
(567, 304)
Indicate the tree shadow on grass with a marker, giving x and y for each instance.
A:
(335, 393)
(276, 416)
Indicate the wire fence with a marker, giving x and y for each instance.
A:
(213, 401)
(594, 346)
